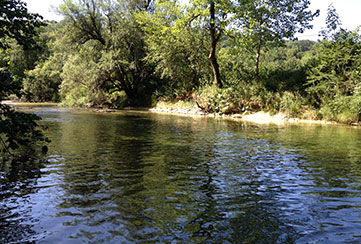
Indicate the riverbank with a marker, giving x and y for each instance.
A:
(19, 103)
(189, 109)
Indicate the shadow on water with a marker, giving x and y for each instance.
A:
(138, 177)
(18, 179)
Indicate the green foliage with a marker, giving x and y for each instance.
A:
(79, 79)
(273, 20)
(332, 22)
(337, 67)
(131, 53)
(105, 34)
(283, 68)
(334, 78)
(17, 30)
(344, 109)
(236, 64)
(243, 98)
(41, 81)
(216, 17)
(19, 135)
(177, 51)
(18, 131)
(29, 67)
(265, 23)
(17, 23)
(14, 62)
(291, 104)
(218, 100)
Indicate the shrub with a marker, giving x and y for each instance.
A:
(242, 98)
(291, 104)
(220, 101)
(344, 109)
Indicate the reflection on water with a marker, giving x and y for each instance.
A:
(138, 177)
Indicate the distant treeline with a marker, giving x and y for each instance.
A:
(228, 56)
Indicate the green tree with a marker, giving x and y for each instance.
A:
(215, 16)
(333, 23)
(284, 67)
(335, 74)
(119, 49)
(81, 82)
(177, 50)
(41, 82)
(17, 23)
(270, 22)
(16, 129)
(337, 66)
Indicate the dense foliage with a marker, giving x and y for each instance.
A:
(225, 56)
(335, 77)
(18, 131)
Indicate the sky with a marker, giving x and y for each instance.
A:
(348, 10)
(44, 8)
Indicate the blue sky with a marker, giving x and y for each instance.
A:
(348, 10)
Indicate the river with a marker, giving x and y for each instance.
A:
(138, 177)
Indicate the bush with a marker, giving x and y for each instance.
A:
(291, 104)
(242, 98)
(220, 101)
(344, 109)
(19, 135)
(117, 99)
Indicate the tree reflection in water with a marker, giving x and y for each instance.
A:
(18, 179)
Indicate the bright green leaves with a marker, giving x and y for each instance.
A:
(338, 65)
(17, 30)
(334, 79)
(175, 47)
(270, 22)
(18, 131)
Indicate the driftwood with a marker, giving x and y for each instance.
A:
(203, 109)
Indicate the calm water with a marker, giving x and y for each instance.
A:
(144, 178)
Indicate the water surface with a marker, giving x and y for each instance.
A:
(133, 177)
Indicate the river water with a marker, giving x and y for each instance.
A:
(136, 177)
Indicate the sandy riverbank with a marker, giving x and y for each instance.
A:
(19, 103)
(258, 117)
(162, 108)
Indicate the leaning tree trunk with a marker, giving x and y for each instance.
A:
(212, 53)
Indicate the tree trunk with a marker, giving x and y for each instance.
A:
(212, 53)
(258, 55)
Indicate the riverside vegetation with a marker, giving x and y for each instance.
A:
(19, 132)
(223, 56)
